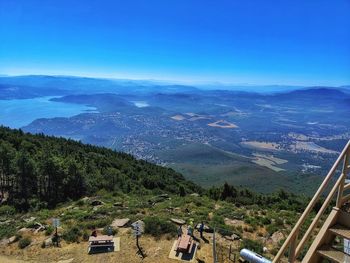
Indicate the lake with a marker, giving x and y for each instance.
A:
(21, 112)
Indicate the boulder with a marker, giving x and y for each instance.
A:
(232, 237)
(12, 239)
(277, 237)
(158, 199)
(24, 230)
(85, 199)
(120, 222)
(29, 220)
(48, 242)
(195, 194)
(118, 204)
(178, 221)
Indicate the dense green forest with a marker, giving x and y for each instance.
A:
(38, 171)
(42, 171)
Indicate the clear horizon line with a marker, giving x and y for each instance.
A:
(170, 81)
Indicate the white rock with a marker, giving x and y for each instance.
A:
(120, 222)
(48, 242)
(178, 221)
(12, 239)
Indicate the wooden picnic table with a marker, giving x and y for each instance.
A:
(100, 241)
(184, 243)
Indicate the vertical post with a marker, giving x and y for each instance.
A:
(343, 175)
(214, 248)
(56, 237)
(291, 257)
(138, 246)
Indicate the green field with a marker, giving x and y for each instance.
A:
(208, 166)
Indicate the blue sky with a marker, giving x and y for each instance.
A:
(295, 42)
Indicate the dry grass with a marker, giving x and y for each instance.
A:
(156, 250)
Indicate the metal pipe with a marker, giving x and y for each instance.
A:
(253, 257)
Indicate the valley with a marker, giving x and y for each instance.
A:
(212, 136)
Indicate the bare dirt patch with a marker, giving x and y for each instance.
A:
(223, 124)
(261, 145)
(178, 117)
(310, 147)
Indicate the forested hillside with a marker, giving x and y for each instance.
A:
(42, 171)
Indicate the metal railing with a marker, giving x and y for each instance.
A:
(293, 242)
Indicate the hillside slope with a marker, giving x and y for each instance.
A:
(38, 170)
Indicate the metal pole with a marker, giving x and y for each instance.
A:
(138, 246)
(214, 248)
(56, 237)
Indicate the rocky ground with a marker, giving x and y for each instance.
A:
(234, 226)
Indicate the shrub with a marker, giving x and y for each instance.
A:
(86, 236)
(106, 230)
(49, 230)
(72, 235)
(279, 222)
(92, 224)
(18, 237)
(225, 230)
(265, 221)
(218, 220)
(24, 242)
(7, 230)
(7, 210)
(80, 202)
(272, 228)
(156, 226)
